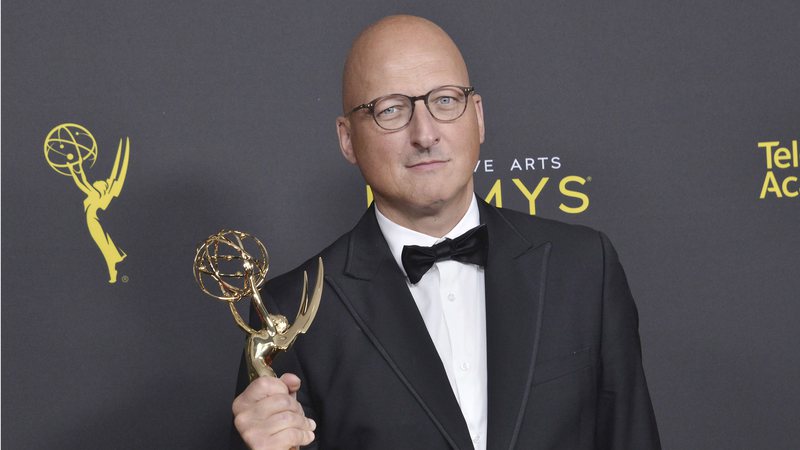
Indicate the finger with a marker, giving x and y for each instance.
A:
(259, 389)
(292, 437)
(281, 408)
(286, 420)
(260, 422)
(291, 381)
(272, 405)
(284, 424)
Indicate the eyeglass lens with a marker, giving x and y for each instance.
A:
(445, 104)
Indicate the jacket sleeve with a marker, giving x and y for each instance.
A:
(625, 418)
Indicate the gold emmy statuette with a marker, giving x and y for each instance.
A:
(232, 265)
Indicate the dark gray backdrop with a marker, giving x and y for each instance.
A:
(657, 106)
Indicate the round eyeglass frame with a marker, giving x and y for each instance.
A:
(467, 90)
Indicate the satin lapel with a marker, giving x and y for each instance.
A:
(374, 290)
(515, 286)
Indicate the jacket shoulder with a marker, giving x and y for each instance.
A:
(288, 285)
(538, 229)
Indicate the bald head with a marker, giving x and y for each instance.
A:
(420, 173)
(409, 48)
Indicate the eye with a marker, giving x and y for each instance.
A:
(388, 110)
(444, 100)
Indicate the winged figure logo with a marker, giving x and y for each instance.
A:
(69, 149)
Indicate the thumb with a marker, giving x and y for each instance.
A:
(292, 382)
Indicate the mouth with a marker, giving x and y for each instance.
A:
(428, 164)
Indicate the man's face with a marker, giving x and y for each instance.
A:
(427, 166)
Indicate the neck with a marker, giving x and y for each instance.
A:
(434, 221)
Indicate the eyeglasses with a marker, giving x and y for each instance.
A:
(393, 112)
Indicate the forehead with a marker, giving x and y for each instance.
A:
(407, 67)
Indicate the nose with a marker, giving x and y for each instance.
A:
(423, 128)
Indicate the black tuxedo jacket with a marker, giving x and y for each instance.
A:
(563, 352)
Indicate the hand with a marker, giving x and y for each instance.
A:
(268, 415)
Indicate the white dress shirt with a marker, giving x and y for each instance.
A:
(452, 301)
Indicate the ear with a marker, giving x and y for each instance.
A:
(345, 139)
(478, 102)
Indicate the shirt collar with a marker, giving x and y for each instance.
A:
(398, 236)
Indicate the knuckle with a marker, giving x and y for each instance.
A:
(283, 417)
(284, 439)
(251, 437)
(284, 402)
(298, 436)
(261, 384)
(239, 422)
(239, 404)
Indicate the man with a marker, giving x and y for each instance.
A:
(525, 337)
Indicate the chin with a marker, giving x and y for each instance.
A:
(433, 203)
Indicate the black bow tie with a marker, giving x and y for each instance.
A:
(471, 247)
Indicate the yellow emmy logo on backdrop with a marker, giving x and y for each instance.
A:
(69, 148)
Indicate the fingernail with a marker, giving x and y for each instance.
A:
(312, 424)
